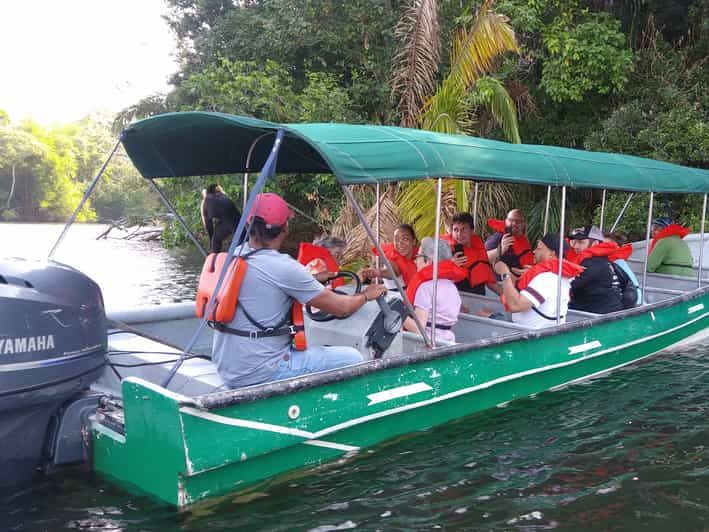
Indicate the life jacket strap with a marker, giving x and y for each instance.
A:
(269, 332)
(550, 318)
(441, 327)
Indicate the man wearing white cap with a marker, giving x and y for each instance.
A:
(250, 354)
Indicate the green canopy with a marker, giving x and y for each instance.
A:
(201, 143)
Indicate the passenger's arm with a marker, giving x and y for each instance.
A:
(342, 305)
(515, 301)
(410, 324)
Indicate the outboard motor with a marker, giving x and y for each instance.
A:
(52, 346)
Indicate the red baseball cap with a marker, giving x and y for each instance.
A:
(272, 209)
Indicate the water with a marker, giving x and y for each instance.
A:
(629, 451)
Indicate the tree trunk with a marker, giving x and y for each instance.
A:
(12, 188)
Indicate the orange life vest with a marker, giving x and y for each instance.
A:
(228, 298)
(447, 269)
(478, 265)
(520, 247)
(568, 269)
(310, 253)
(670, 230)
(602, 249)
(407, 267)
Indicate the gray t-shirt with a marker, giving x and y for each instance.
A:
(272, 281)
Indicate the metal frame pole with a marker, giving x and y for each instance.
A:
(379, 228)
(546, 211)
(647, 245)
(88, 192)
(248, 165)
(475, 207)
(372, 237)
(701, 243)
(603, 209)
(562, 223)
(172, 209)
(436, 239)
(622, 212)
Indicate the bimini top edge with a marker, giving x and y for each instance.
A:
(204, 143)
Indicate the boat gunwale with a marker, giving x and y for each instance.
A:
(226, 398)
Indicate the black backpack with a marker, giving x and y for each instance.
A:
(628, 289)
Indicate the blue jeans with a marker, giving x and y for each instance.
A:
(314, 359)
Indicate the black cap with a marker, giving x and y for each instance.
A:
(551, 240)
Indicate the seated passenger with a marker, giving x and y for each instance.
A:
(322, 257)
(469, 252)
(620, 256)
(420, 290)
(401, 254)
(532, 302)
(597, 289)
(668, 252)
(509, 244)
(255, 347)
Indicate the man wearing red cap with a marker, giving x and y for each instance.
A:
(272, 282)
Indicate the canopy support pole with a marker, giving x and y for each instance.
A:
(88, 192)
(603, 209)
(269, 168)
(622, 212)
(562, 223)
(184, 225)
(436, 239)
(701, 243)
(647, 244)
(475, 206)
(379, 227)
(373, 238)
(546, 211)
(248, 166)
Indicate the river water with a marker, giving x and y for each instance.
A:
(629, 451)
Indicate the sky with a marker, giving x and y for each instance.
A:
(63, 59)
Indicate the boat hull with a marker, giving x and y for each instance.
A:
(182, 449)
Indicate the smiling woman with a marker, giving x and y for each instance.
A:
(83, 61)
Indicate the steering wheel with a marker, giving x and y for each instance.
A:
(322, 315)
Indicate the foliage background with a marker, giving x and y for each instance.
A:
(622, 76)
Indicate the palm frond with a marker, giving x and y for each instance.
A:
(475, 51)
(446, 111)
(491, 94)
(415, 65)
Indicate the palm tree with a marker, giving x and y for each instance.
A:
(453, 108)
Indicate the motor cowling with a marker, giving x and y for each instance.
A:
(52, 346)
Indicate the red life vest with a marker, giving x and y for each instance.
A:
(520, 247)
(407, 267)
(228, 297)
(478, 265)
(670, 230)
(568, 269)
(310, 253)
(602, 249)
(623, 252)
(447, 269)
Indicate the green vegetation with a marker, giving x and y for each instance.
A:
(626, 77)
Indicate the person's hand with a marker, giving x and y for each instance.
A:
(325, 276)
(501, 268)
(485, 312)
(373, 291)
(369, 273)
(506, 242)
(460, 259)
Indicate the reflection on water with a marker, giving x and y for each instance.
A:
(130, 272)
(629, 451)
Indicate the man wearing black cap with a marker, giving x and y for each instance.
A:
(532, 301)
(598, 288)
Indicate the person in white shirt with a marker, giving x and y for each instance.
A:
(532, 301)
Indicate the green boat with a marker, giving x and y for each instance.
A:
(176, 433)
